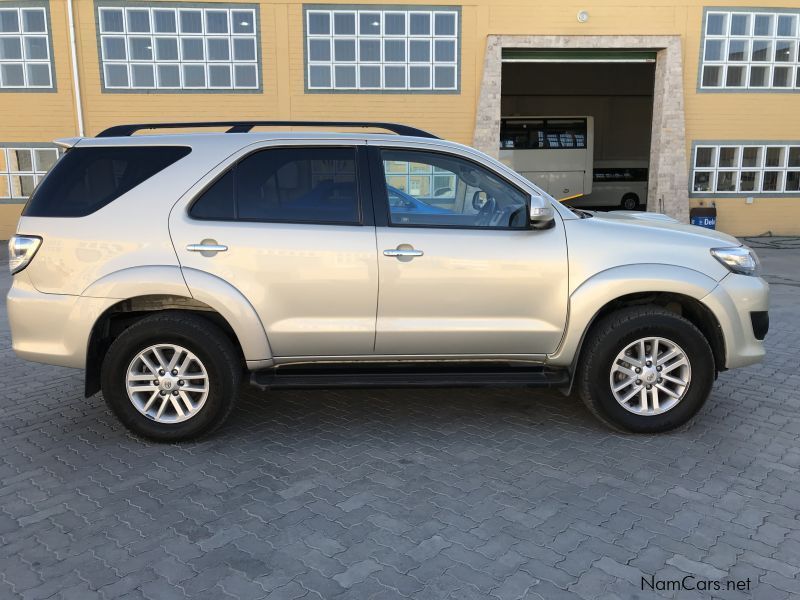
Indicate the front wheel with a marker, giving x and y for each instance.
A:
(171, 376)
(645, 370)
(630, 202)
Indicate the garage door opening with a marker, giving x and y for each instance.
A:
(578, 123)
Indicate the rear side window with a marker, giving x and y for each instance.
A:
(85, 180)
(290, 185)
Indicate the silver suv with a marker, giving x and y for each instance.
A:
(170, 266)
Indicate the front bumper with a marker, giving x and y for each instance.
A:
(733, 301)
(51, 328)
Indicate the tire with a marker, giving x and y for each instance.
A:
(629, 202)
(603, 347)
(212, 399)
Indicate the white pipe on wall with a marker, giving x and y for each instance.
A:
(76, 82)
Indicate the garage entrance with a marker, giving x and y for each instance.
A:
(578, 123)
(598, 113)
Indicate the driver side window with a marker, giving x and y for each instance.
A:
(440, 190)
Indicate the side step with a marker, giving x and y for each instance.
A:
(391, 375)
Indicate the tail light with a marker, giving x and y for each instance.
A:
(21, 250)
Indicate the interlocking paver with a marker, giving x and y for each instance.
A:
(462, 494)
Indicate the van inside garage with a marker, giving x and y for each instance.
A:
(578, 123)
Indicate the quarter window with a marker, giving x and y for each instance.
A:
(750, 50)
(375, 49)
(177, 47)
(25, 60)
(746, 168)
(440, 190)
(21, 169)
(543, 134)
(293, 185)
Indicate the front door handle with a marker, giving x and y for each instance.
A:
(403, 251)
(207, 247)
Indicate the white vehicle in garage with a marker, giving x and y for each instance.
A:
(619, 183)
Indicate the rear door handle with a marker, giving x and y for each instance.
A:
(207, 246)
(403, 252)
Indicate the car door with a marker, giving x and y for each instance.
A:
(470, 276)
(291, 228)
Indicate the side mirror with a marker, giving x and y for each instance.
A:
(479, 198)
(542, 214)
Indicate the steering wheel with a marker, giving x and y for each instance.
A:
(484, 216)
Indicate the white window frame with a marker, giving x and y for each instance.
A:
(760, 169)
(203, 35)
(22, 36)
(7, 174)
(382, 37)
(750, 38)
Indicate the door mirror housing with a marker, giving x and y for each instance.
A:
(542, 214)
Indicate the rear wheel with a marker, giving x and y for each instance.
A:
(630, 202)
(171, 376)
(645, 369)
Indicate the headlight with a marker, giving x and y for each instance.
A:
(21, 249)
(740, 260)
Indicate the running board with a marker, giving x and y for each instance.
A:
(407, 375)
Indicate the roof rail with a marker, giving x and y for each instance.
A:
(245, 126)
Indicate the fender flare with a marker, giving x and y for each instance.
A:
(219, 295)
(586, 302)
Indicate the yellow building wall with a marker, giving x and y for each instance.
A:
(40, 117)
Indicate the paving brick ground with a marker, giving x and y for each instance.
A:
(386, 494)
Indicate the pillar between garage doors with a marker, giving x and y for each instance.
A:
(667, 189)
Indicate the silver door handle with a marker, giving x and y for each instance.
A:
(402, 252)
(206, 248)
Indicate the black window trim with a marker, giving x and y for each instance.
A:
(380, 195)
(365, 216)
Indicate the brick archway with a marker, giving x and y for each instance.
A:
(667, 187)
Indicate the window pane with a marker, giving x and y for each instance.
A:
(138, 20)
(9, 21)
(194, 76)
(740, 24)
(116, 75)
(729, 156)
(143, 76)
(444, 77)
(394, 23)
(245, 76)
(243, 21)
(86, 179)
(319, 50)
(772, 181)
(714, 49)
(702, 181)
(319, 23)
(712, 76)
(114, 48)
(704, 157)
(10, 48)
(33, 20)
(369, 76)
(369, 50)
(217, 202)
(738, 50)
(167, 48)
(787, 25)
(344, 23)
(244, 49)
(775, 156)
(140, 48)
(782, 77)
(369, 23)
(394, 77)
(444, 24)
(5, 187)
(419, 77)
(192, 48)
(165, 21)
(735, 76)
(759, 76)
(169, 76)
(762, 50)
(422, 189)
(419, 50)
(45, 159)
(751, 156)
(444, 50)
(38, 74)
(319, 76)
(344, 50)
(784, 50)
(726, 181)
(763, 25)
(394, 50)
(219, 76)
(298, 185)
(20, 160)
(22, 186)
(794, 156)
(216, 21)
(792, 181)
(419, 23)
(12, 76)
(218, 49)
(748, 181)
(344, 76)
(191, 21)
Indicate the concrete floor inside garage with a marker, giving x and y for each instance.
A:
(383, 494)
